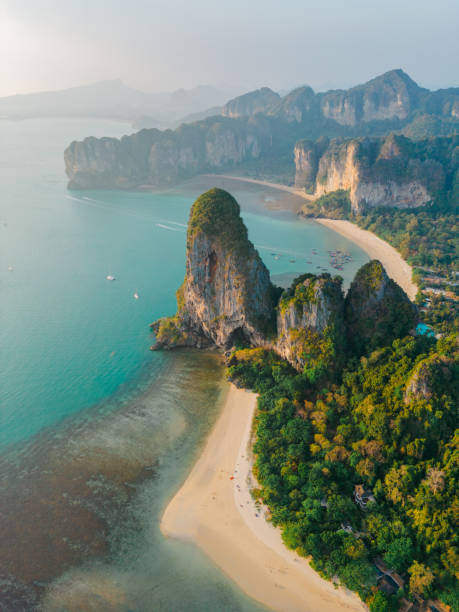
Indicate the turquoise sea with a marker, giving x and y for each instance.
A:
(96, 431)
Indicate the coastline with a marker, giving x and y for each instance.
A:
(376, 248)
(214, 510)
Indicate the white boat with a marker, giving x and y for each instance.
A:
(111, 278)
(10, 268)
(136, 295)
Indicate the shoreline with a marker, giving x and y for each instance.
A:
(396, 267)
(376, 248)
(214, 510)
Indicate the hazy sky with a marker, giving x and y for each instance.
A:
(162, 45)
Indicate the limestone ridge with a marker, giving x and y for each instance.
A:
(261, 127)
(392, 96)
(377, 310)
(393, 171)
(227, 296)
(160, 158)
(259, 101)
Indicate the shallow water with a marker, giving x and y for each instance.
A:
(97, 432)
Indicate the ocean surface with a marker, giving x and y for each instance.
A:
(96, 431)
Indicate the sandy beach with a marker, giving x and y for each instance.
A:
(396, 267)
(376, 248)
(214, 510)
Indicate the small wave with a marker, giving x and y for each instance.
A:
(171, 229)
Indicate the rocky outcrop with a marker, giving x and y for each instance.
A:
(377, 310)
(310, 324)
(392, 95)
(431, 375)
(227, 300)
(227, 296)
(153, 157)
(393, 172)
(260, 101)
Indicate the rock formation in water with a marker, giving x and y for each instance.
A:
(227, 296)
(377, 310)
(227, 299)
(310, 324)
(393, 171)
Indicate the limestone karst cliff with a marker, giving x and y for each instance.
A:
(162, 158)
(393, 172)
(310, 324)
(227, 299)
(259, 101)
(227, 296)
(259, 131)
(377, 310)
(392, 96)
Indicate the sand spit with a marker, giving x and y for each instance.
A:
(214, 510)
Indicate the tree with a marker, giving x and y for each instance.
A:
(399, 554)
(380, 602)
(421, 578)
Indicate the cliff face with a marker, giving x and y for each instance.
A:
(152, 157)
(377, 310)
(227, 295)
(259, 101)
(310, 324)
(227, 299)
(393, 172)
(392, 95)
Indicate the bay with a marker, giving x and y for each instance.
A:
(96, 431)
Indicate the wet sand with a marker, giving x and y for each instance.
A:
(214, 510)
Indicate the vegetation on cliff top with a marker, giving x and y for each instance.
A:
(377, 310)
(217, 214)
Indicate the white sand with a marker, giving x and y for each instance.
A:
(396, 267)
(218, 514)
(376, 248)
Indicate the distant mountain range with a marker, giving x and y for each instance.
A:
(263, 134)
(114, 100)
(393, 95)
(388, 97)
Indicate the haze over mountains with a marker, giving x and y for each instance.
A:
(388, 96)
(114, 100)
